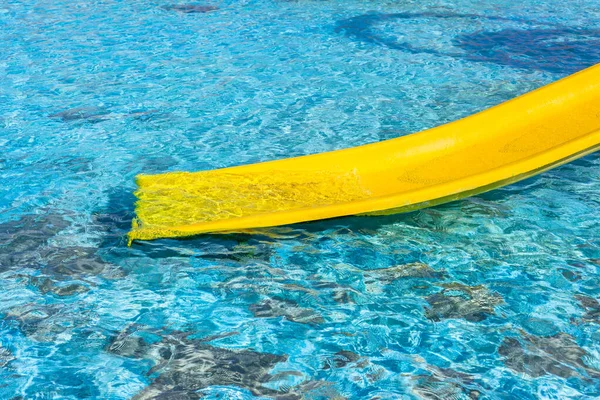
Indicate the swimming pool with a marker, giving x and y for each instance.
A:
(490, 297)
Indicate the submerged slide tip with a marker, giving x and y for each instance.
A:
(141, 231)
(131, 235)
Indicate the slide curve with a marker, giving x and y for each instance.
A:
(501, 145)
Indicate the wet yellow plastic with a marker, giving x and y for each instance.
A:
(512, 141)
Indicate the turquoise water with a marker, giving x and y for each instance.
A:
(492, 297)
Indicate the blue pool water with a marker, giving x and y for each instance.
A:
(492, 297)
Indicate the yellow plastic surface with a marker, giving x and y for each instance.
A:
(504, 144)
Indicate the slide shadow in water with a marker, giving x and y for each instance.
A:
(556, 49)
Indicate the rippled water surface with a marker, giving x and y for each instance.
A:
(492, 297)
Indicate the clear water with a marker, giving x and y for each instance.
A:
(492, 297)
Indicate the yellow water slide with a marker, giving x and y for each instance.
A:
(504, 144)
